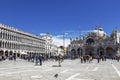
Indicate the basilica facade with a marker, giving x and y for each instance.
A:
(94, 43)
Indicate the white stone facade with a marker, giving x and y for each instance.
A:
(54, 49)
(15, 41)
(60, 51)
(48, 43)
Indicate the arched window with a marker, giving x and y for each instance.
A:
(90, 41)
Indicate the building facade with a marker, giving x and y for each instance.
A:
(61, 50)
(95, 43)
(54, 49)
(48, 43)
(14, 41)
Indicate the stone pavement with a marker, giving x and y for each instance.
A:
(70, 70)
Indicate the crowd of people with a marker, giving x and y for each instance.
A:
(36, 58)
(10, 57)
(39, 58)
(88, 58)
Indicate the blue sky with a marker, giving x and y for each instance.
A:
(58, 16)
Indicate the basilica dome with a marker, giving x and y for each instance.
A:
(99, 32)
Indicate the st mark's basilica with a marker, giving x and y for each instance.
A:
(95, 43)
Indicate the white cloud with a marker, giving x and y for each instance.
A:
(59, 36)
(43, 34)
(58, 40)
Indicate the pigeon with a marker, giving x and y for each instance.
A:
(56, 75)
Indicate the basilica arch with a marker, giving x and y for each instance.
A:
(100, 51)
(89, 50)
(73, 53)
(110, 51)
(79, 52)
(90, 41)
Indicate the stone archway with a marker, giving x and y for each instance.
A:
(18, 54)
(15, 53)
(6, 53)
(89, 50)
(1, 52)
(73, 53)
(90, 41)
(10, 53)
(110, 51)
(100, 51)
(79, 52)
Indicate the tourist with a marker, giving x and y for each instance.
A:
(40, 59)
